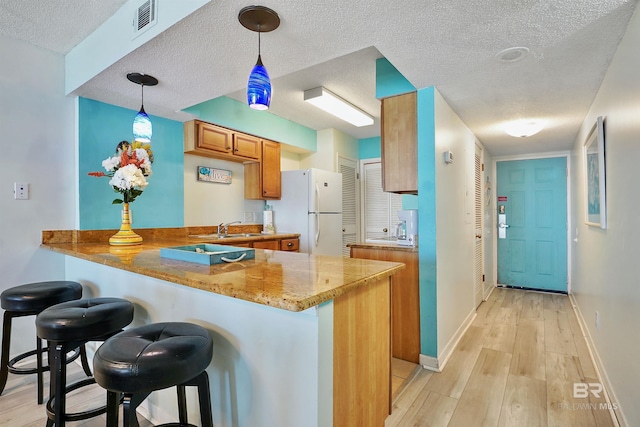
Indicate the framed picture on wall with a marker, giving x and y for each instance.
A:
(594, 169)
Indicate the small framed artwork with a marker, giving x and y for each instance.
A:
(595, 176)
(208, 174)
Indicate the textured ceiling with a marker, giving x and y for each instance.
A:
(447, 44)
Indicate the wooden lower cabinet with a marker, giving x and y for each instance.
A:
(267, 244)
(405, 300)
(291, 245)
(362, 356)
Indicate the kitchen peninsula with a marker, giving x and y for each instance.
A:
(299, 340)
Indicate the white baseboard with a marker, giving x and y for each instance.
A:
(617, 415)
(437, 364)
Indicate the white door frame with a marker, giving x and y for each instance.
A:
(494, 196)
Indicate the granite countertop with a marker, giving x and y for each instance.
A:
(287, 280)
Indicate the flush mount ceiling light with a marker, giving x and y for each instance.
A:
(512, 54)
(260, 19)
(523, 128)
(142, 129)
(333, 104)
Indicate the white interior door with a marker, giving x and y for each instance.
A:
(380, 208)
(350, 211)
(479, 246)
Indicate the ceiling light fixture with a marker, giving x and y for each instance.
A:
(512, 54)
(260, 19)
(523, 128)
(142, 129)
(333, 104)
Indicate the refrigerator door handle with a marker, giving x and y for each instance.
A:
(317, 201)
(317, 229)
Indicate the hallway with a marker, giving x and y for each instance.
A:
(515, 366)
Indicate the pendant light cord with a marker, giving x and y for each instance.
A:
(142, 85)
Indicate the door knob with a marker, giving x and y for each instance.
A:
(503, 225)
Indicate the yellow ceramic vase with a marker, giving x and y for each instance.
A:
(125, 236)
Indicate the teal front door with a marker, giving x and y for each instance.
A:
(532, 223)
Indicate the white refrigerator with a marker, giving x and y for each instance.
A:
(311, 205)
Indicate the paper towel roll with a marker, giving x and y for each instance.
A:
(267, 222)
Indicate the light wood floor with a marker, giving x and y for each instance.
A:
(18, 407)
(515, 366)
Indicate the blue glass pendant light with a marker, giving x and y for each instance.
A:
(260, 19)
(142, 129)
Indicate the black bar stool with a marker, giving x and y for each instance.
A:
(71, 324)
(29, 300)
(140, 360)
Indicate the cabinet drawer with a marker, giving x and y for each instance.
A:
(290, 245)
(267, 244)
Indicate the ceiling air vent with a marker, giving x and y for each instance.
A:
(145, 17)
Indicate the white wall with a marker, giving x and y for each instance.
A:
(454, 224)
(38, 147)
(331, 144)
(208, 203)
(605, 268)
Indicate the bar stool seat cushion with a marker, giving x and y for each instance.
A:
(84, 320)
(35, 297)
(152, 357)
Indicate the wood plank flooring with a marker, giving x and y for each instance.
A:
(18, 407)
(514, 367)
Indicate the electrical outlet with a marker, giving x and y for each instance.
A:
(20, 190)
(597, 320)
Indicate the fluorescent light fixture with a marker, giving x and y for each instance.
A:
(523, 128)
(333, 104)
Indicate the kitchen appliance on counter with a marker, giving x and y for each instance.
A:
(311, 205)
(407, 228)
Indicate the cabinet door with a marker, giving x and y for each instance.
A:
(292, 245)
(214, 138)
(405, 300)
(399, 144)
(246, 146)
(270, 170)
(267, 244)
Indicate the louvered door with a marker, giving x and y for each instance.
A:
(478, 248)
(348, 169)
(380, 208)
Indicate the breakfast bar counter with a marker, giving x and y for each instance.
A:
(299, 340)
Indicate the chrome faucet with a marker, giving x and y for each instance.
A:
(224, 228)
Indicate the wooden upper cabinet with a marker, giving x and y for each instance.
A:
(209, 140)
(214, 138)
(247, 146)
(262, 181)
(399, 144)
(271, 177)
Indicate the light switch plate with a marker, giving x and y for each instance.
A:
(20, 190)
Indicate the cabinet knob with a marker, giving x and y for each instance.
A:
(385, 229)
(289, 244)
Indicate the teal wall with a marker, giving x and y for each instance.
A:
(390, 82)
(427, 222)
(100, 128)
(369, 148)
(236, 115)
